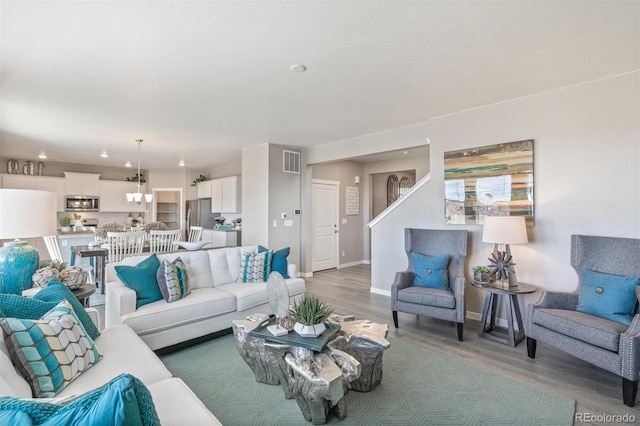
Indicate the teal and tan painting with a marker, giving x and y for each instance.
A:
(489, 181)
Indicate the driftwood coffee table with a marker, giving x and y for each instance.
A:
(317, 372)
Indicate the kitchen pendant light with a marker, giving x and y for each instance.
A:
(136, 197)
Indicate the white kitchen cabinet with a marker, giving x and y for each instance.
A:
(225, 195)
(18, 182)
(52, 184)
(231, 195)
(82, 183)
(42, 183)
(113, 197)
(204, 189)
(216, 195)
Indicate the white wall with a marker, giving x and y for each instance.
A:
(587, 178)
(255, 195)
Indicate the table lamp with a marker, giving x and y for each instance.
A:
(23, 214)
(504, 230)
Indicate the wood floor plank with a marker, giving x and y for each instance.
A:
(595, 390)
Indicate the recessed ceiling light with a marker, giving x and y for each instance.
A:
(127, 164)
(181, 163)
(104, 154)
(42, 156)
(298, 68)
(405, 152)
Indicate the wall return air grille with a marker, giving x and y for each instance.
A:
(290, 161)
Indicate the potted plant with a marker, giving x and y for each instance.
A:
(310, 315)
(481, 274)
(65, 223)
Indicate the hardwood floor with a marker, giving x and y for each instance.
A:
(596, 391)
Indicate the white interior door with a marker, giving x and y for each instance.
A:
(325, 225)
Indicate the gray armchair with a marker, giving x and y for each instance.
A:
(447, 304)
(607, 344)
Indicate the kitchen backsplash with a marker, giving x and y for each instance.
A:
(103, 217)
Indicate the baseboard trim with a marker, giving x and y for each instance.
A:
(380, 291)
(305, 274)
(346, 265)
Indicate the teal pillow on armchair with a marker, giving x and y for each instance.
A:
(608, 296)
(430, 271)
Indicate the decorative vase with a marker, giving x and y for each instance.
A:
(18, 262)
(309, 330)
(481, 277)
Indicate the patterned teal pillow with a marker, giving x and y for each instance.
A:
(255, 267)
(430, 271)
(142, 279)
(51, 352)
(55, 291)
(608, 296)
(123, 401)
(173, 280)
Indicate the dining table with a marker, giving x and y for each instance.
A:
(100, 255)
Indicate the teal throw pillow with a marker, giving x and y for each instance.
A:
(142, 279)
(173, 280)
(430, 271)
(16, 306)
(608, 296)
(278, 260)
(55, 291)
(50, 352)
(124, 401)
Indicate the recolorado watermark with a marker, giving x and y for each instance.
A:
(605, 418)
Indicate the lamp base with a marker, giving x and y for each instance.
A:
(18, 262)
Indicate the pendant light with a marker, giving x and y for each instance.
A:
(136, 197)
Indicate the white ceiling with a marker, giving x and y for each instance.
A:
(200, 81)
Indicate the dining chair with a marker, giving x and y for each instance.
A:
(195, 233)
(161, 241)
(123, 244)
(51, 241)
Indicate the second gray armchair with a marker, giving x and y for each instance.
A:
(433, 284)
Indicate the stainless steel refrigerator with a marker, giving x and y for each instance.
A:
(199, 213)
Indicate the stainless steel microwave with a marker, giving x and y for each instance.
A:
(81, 203)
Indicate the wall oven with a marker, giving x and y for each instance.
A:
(81, 203)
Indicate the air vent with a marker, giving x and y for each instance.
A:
(290, 161)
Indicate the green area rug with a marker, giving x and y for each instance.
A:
(419, 387)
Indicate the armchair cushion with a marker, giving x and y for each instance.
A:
(436, 297)
(608, 296)
(430, 271)
(588, 328)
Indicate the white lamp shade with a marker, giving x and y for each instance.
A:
(130, 197)
(504, 230)
(148, 197)
(26, 213)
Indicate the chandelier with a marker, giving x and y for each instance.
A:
(136, 197)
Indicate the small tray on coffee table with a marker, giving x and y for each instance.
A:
(293, 338)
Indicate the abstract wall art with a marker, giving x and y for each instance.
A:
(489, 181)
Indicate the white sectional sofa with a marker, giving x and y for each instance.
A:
(216, 298)
(122, 352)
